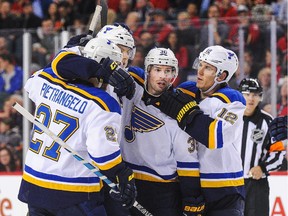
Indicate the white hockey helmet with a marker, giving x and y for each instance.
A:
(221, 58)
(99, 48)
(161, 56)
(119, 35)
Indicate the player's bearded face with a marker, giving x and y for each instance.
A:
(159, 79)
(205, 75)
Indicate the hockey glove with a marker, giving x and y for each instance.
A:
(127, 190)
(179, 106)
(123, 83)
(278, 128)
(108, 66)
(193, 206)
(78, 40)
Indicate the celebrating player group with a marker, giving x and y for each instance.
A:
(174, 150)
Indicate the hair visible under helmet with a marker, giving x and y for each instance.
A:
(120, 36)
(221, 58)
(250, 85)
(161, 56)
(101, 48)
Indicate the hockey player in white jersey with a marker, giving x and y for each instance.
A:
(216, 122)
(88, 120)
(259, 152)
(66, 62)
(163, 157)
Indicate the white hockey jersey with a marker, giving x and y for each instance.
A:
(88, 120)
(221, 171)
(152, 143)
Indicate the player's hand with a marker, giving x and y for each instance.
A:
(79, 40)
(108, 66)
(123, 83)
(179, 106)
(193, 206)
(127, 190)
(278, 128)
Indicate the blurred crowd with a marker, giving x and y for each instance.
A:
(183, 26)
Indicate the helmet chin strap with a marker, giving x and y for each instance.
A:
(213, 86)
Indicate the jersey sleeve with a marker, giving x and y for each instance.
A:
(274, 154)
(66, 65)
(220, 123)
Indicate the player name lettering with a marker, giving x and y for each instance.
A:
(61, 97)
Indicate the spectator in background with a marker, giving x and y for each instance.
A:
(44, 49)
(267, 62)
(228, 11)
(187, 33)
(7, 160)
(125, 6)
(132, 20)
(264, 77)
(251, 30)
(237, 78)
(11, 76)
(138, 60)
(192, 10)
(157, 25)
(4, 45)
(220, 28)
(53, 14)
(9, 135)
(28, 19)
(147, 41)
(111, 16)
(254, 65)
(143, 7)
(7, 19)
(182, 55)
(282, 106)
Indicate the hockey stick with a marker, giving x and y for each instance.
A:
(76, 155)
(95, 18)
(104, 12)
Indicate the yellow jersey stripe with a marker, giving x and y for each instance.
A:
(62, 186)
(212, 129)
(55, 80)
(56, 60)
(223, 96)
(146, 177)
(188, 92)
(224, 183)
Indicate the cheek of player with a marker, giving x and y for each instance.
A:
(205, 75)
(252, 100)
(159, 79)
(125, 53)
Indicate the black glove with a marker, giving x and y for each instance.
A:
(179, 106)
(278, 128)
(108, 66)
(127, 190)
(123, 83)
(78, 40)
(193, 206)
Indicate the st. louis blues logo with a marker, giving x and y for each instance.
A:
(230, 55)
(141, 121)
(257, 135)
